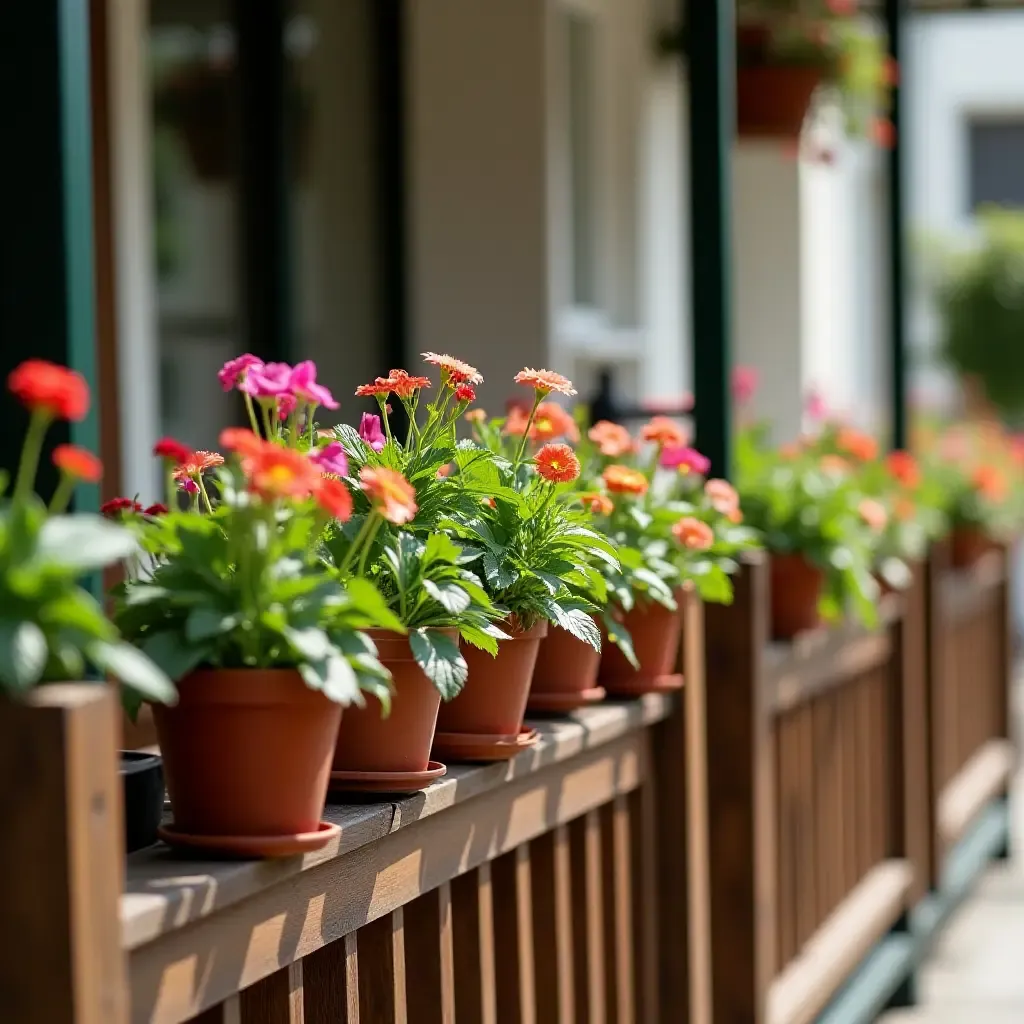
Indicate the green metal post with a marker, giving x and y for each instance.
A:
(46, 246)
(894, 20)
(712, 67)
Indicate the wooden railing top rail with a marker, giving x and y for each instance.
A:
(164, 892)
(964, 591)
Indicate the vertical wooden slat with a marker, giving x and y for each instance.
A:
(788, 772)
(642, 818)
(473, 947)
(823, 828)
(331, 983)
(382, 971)
(430, 990)
(742, 774)
(61, 858)
(806, 883)
(616, 861)
(865, 810)
(277, 999)
(553, 926)
(513, 937)
(588, 917)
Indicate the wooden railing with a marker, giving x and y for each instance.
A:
(569, 884)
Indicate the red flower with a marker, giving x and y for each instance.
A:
(40, 385)
(903, 467)
(465, 393)
(113, 508)
(77, 462)
(172, 451)
(157, 510)
(862, 447)
(334, 498)
(557, 463)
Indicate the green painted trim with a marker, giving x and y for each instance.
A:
(76, 145)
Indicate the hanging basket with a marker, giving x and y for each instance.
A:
(772, 100)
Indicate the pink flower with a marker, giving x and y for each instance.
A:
(304, 386)
(286, 405)
(815, 405)
(686, 460)
(331, 459)
(370, 431)
(234, 371)
(188, 485)
(267, 381)
(744, 384)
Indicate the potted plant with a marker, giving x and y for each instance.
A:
(52, 629)
(266, 641)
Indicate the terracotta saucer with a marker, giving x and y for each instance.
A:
(252, 846)
(459, 746)
(560, 703)
(386, 782)
(637, 686)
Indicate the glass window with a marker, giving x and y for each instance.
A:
(997, 162)
(582, 90)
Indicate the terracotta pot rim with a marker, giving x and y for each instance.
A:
(538, 630)
(395, 647)
(243, 686)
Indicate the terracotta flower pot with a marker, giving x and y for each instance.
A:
(772, 99)
(566, 673)
(247, 752)
(796, 587)
(368, 742)
(967, 544)
(657, 633)
(493, 702)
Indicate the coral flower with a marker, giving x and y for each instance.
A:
(663, 431)
(381, 386)
(331, 459)
(990, 483)
(857, 444)
(234, 370)
(77, 462)
(612, 439)
(445, 471)
(545, 381)
(465, 393)
(551, 421)
(686, 460)
(304, 387)
(112, 509)
(56, 390)
(404, 384)
(453, 370)
(389, 493)
(624, 480)
(276, 472)
(196, 463)
(598, 503)
(475, 416)
(370, 431)
(903, 467)
(835, 465)
(882, 132)
(723, 496)
(873, 513)
(241, 441)
(334, 498)
(904, 510)
(693, 534)
(745, 382)
(172, 451)
(515, 423)
(557, 463)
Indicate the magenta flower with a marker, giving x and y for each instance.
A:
(188, 485)
(686, 460)
(286, 405)
(370, 431)
(234, 371)
(267, 381)
(815, 405)
(744, 384)
(331, 459)
(304, 386)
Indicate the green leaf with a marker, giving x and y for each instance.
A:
(439, 657)
(133, 669)
(23, 653)
(500, 575)
(205, 623)
(334, 677)
(576, 622)
(450, 596)
(479, 638)
(368, 600)
(76, 609)
(82, 542)
(311, 643)
(440, 548)
(168, 650)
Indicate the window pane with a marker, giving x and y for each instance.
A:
(582, 86)
(997, 163)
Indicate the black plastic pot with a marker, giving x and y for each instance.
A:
(142, 777)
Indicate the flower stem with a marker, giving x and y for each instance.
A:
(369, 544)
(62, 495)
(383, 403)
(202, 491)
(362, 538)
(526, 433)
(30, 452)
(252, 413)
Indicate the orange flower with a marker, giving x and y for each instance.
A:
(990, 483)
(734, 515)
(599, 504)
(454, 370)
(611, 439)
(873, 513)
(904, 510)
(475, 416)
(834, 464)
(552, 421)
(380, 386)
(665, 432)
(693, 534)
(557, 463)
(623, 480)
(77, 462)
(404, 384)
(241, 441)
(334, 498)
(197, 463)
(882, 132)
(444, 471)
(545, 381)
(40, 385)
(903, 467)
(723, 496)
(789, 451)
(276, 472)
(389, 493)
(856, 444)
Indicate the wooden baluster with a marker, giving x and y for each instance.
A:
(643, 813)
(551, 878)
(277, 999)
(741, 785)
(331, 983)
(382, 971)
(1006, 655)
(473, 947)
(588, 918)
(824, 803)
(788, 771)
(807, 918)
(616, 861)
(430, 986)
(513, 938)
(61, 858)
